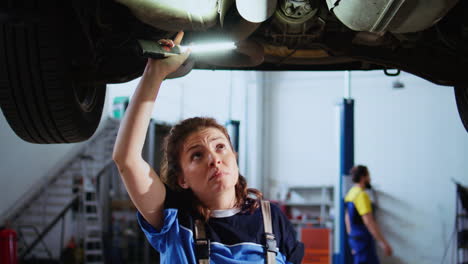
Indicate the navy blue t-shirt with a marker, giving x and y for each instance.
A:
(236, 237)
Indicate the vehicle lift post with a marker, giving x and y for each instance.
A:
(342, 253)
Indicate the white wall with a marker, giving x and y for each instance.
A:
(302, 127)
(411, 139)
(201, 93)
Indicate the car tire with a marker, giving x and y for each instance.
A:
(461, 96)
(38, 96)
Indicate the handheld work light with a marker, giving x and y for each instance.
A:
(155, 50)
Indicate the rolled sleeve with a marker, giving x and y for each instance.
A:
(159, 238)
(363, 204)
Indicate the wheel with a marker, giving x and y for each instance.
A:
(461, 96)
(38, 96)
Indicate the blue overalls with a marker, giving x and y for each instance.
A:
(360, 239)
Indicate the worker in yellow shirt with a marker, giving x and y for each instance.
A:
(361, 226)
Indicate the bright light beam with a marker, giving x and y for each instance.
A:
(211, 47)
(155, 50)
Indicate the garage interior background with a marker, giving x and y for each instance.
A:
(411, 139)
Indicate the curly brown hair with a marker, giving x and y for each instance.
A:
(248, 199)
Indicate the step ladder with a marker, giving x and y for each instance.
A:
(94, 159)
(91, 214)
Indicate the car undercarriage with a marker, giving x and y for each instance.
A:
(57, 56)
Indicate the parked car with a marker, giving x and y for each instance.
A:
(56, 57)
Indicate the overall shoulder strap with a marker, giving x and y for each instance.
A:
(270, 241)
(202, 244)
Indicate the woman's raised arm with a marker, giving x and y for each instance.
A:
(142, 183)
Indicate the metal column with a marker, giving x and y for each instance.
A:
(342, 253)
(233, 128)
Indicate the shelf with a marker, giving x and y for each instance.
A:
(310, 205)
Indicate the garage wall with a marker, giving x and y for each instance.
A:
(411, 139)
